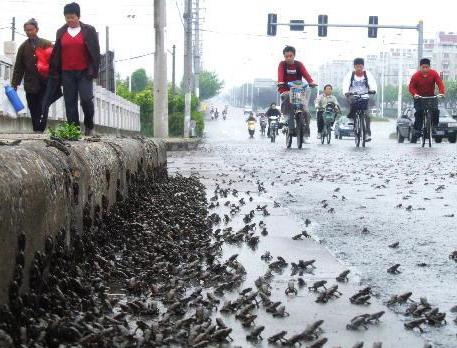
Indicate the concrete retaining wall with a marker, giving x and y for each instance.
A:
(42, 190)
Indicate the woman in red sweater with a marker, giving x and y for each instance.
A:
(423, 84)
(76, 60)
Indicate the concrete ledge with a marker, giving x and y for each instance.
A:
(182, 144)
(42, 190)
(23, 125)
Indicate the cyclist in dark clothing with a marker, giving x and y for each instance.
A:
(272, 112)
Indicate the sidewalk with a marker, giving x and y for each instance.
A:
(281, 227)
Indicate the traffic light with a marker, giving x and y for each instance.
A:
(297, 25)
(322, 27)
(373, 32)
(272, 20)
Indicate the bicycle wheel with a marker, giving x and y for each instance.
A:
(329, 135)
(429, 127)
(288, 139)
(363, 123)
(273, 136)
(323, 134)
(357, 129)
(299, 130)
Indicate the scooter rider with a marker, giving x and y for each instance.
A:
(272, 112)
(251, 121)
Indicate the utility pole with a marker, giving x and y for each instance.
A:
(13, 29)
(400, 82)
(420, 43)
(107, 59)
(160, 113)
(173, 73)
(383, 77)
(187, 66)
(197, 50)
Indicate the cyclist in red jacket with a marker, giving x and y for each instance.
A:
(290, 70)
(423, 84)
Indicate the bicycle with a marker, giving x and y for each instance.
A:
(428, 105)
(360, 118)
(328, 116)
(299, 95)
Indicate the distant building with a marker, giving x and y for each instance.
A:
(442, 50)
(333, 73)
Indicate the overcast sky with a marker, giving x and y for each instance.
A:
(235, 44)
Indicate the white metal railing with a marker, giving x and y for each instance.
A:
(111, 110)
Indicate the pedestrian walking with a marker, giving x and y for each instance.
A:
(32, 66)
(75, 61)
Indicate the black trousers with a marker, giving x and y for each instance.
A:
(288, 109)
(419, 119)
(35, 104)
(77, 82)
(353, 109)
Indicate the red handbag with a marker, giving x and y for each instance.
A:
(43, 57)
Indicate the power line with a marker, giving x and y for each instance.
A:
(135, 57)
(180, 14)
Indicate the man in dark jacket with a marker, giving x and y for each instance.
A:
(76, 59)
(272, 112)
(26, 67)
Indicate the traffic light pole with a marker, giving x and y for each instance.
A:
(419, 27)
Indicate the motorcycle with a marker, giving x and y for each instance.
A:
(263, 126)
(274, 126)
(251, 128)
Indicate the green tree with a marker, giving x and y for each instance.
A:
(210, 85)
(139, 80)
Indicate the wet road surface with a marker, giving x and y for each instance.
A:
(359, 201)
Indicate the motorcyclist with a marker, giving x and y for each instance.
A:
(251, 121)
(290, 70)
(321, 103)
(272, 112)
(263, 121)
(211, 112)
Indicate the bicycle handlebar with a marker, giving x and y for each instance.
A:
(353, 94)
(430, 97)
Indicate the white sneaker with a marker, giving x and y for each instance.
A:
(368, 138)
(306, 140)
(319, 135)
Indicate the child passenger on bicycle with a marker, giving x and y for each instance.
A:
(321, 103)
(359, 84)
(423, 84)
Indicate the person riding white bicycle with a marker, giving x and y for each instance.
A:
(359, 85)
(290, 70)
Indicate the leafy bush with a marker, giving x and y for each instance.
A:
(66, 131)
(176, 123)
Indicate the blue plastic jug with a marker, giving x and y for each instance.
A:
(14, 99)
